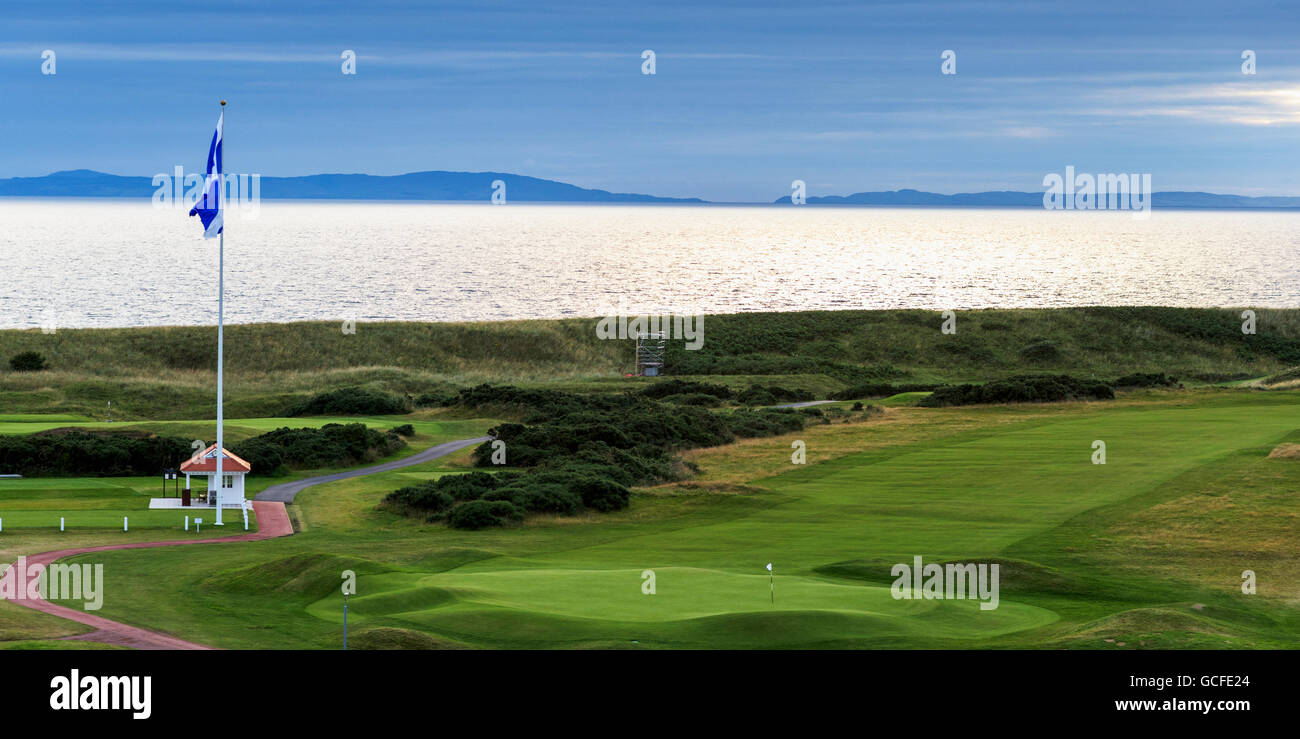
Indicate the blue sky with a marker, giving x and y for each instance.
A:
(847, 96)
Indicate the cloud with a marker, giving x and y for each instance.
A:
(1245, 103)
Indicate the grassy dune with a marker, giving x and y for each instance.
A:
(168, 373)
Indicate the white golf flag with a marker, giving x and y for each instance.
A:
(769, 566)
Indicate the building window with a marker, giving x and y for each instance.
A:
(227, 481)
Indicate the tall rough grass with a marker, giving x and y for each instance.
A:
(169, 372)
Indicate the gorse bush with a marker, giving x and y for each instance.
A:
(27, 362)
(581, 452)
(90, 454)
(661, 390)
(1039, 352)
(771, 394)
(1146, 379)
(480, 514)
(1021, 389)
(350, 401)
(880, 390)
(332, 445)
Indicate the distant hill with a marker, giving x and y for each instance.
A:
(1035, 199)
(85, 183)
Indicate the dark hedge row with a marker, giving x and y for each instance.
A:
(880, 390)
(331, 445)
(1146, 379)
(80, 453)
(1020, 389)
(349, 401)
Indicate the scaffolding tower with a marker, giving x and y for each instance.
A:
(650, 349)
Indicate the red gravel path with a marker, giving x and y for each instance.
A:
(272, 521)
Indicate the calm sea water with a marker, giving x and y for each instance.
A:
(80, 263)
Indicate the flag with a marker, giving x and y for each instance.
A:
(210, 209)
(769, 566)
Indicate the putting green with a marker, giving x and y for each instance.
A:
(611, 602)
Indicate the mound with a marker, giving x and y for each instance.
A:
(1163, 627)
(311, 573)
(385, 637)
(1014, 575)
(1285, 451)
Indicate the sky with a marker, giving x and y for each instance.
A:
(746, 96)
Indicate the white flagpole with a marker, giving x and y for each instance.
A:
(221, 316)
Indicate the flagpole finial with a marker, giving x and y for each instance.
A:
(223, 103)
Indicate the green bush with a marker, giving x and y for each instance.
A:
(331, 445)
(1040, 352)
(405, 429)
(771, 394)
(78, 453)
(661, 390)
(27, 362)
(1146, 379)
(576, 452)
(700, 400)
(1021, 389)
(350, 401)
(480, 514)
(423, 498)
(603, 495)
(880, 390)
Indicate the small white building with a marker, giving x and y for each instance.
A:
(230, 494)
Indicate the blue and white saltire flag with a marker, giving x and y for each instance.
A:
(210, 208)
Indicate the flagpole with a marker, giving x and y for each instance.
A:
(221, 318)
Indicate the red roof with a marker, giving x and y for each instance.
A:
(205, 463)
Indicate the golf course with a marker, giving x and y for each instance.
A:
(1145, 546)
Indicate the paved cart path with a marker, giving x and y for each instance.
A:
(272, 521)
(285, 492)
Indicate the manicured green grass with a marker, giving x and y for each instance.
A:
(1146, 550)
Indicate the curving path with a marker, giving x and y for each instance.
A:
(272, 521)
(285, 492)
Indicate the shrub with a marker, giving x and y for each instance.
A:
(27, 362)
(700, 400)
(97, 454)
(764, 422)
(857, 406)
(331, 445)
(405, 429)
(423, 498)
(480, 514)
(1021, 389)
(1040, 351)
(548, 498)
(1146, 379)
(433, 400)
(661, 390)
(585, 451)
(880, 390)
(769, 394)
(469, 486)
(350, 401)
(603, 495)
